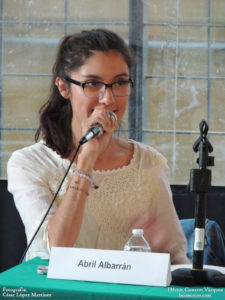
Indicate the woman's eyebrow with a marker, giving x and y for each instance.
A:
(92, 76)
(122, 74)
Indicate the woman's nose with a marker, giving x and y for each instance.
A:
(107, 97)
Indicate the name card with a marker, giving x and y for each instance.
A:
(113, 266)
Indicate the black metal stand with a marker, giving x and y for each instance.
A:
(200, 182)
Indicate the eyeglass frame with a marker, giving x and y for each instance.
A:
(110, 85)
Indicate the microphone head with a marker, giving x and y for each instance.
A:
(96, 129)
(93, 131)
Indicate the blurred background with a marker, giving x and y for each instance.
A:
(179, 76)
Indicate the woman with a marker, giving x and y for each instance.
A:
(91, 77)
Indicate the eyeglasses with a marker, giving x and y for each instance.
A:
(94, 89)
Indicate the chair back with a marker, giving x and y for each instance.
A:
(12, 232)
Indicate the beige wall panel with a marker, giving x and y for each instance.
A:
(162, 50)
(193, 11)
(22, 98)
(218, 51)
(191, 104)
(184, 158)
(192, 63)
(162, 62)
(98, 10)
(189, 11)
(218, 171)
(37, 10)
(217, 12)
(178, 151)
(217, 108)
(192, 52)
(161, 104)
(177, 52)
(123, 31)
(163, 143)
(30, 48)
(176, 104)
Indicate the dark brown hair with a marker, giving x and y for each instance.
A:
(56, 113)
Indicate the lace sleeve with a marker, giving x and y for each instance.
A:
(165, 232)
(28, 184)
(161, 225)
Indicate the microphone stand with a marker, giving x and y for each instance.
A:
(200, 183)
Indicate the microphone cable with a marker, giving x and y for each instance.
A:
(53, 200)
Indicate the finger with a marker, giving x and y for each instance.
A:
(113, 117)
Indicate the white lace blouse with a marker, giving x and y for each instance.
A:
(135, 196)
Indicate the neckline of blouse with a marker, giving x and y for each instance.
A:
(66, 162)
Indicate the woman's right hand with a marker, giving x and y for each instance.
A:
(96, 146)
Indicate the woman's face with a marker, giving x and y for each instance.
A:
(107, 67)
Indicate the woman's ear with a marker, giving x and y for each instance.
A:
(63, 87)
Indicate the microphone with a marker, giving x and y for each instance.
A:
(96, 129)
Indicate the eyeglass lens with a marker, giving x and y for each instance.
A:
(97, 89)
